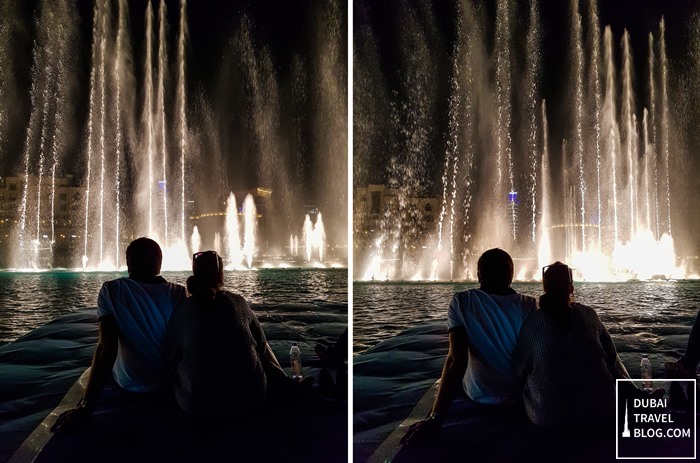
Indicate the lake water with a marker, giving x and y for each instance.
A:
(642, 317)
(29, 300)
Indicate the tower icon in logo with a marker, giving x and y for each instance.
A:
(626, 431)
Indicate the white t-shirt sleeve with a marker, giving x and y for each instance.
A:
(104, 302)
(455, 318)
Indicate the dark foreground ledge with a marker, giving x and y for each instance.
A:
(40, 368)
(394, 385)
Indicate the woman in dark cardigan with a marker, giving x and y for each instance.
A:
(566, 359)
(222, 363)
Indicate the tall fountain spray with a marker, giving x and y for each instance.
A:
(503, 113)
(665, 119)
(544, 248)
(182, 103)
(578, 117)
(109, 101)
(103, 85)
(594, 78)
(148, 112)
(91, 117)
(56, 136)
(119, 56)
(50, 99)
(532, 79)
(587, 204)
(42, 154)
(652, 125)
(137, 143)
(630, 132)
(162, 66)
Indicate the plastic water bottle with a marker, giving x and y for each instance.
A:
(645, 367)
(295, 361)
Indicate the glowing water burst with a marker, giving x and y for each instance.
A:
(314, 237)
(522, 275)
(176, 256)
(234, 252)
(195, 240)
(250, 219)
(293, 245)
(646, 258)
(375, 270)
(434, 270)
(642, 258)
(217, 242)
(240, 253)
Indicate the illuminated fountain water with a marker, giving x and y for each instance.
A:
(108, 136)
(314, 238)
(147, 153)
(234, 250)
(106, 139)
(602, 203)
(293, 245)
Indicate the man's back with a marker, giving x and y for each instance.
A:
(492, 323)
(142, 311)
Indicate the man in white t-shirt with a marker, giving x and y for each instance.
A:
(132, 313)
(483, 327)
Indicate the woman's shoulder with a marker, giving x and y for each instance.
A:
(233, 298)
(585, 310)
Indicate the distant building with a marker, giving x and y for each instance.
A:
(378, 209)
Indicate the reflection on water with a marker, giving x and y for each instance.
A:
(29, 300)
(651, 317)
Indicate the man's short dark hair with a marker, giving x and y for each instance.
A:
(495, 268)
(144, 257)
